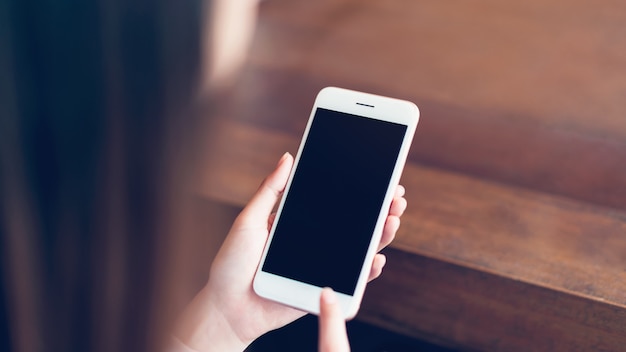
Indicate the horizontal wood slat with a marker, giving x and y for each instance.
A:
(529, 94)
(469, 308)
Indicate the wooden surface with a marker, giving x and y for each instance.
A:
(515, 235)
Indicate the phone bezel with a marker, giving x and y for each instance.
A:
(304, 296)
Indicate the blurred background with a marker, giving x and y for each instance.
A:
(515, 235)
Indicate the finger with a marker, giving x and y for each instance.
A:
(262, 203)
(377, 266)
(332, 325)
(389, 231)
(398, 206)
(400, 191)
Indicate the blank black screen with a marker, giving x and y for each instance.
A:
(331, 209)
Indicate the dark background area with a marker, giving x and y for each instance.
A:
(301, 336)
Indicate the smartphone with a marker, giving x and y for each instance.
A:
(331, 216)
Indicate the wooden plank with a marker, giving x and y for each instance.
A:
(470, 309)
(479, 143)
(557, 63)
(528, 94)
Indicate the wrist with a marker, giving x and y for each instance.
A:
(204, 328)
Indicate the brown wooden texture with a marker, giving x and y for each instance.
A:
(475, 309)
(529, 93)
(515, 235)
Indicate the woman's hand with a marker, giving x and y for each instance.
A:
(227, 309)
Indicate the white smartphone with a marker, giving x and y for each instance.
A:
(331, 216)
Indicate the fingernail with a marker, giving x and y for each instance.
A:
(283, 158)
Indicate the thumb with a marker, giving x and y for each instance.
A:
(260, 206)
(332, 326)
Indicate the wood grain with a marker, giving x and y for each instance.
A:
(557, 63)
(472, 309)
(527, 94)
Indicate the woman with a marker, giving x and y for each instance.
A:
(102, 103)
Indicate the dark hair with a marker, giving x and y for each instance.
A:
(96, 112)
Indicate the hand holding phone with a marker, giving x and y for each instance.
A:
(331, 217)
(227, 312)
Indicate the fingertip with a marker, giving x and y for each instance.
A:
(398, 206)
(282, 171)
(393, 221)
(392, 225)
(284, 158)
(382, 259)
(377, 266)
(400, 191)
(261, 205)
(328, 296)
(379, 261)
